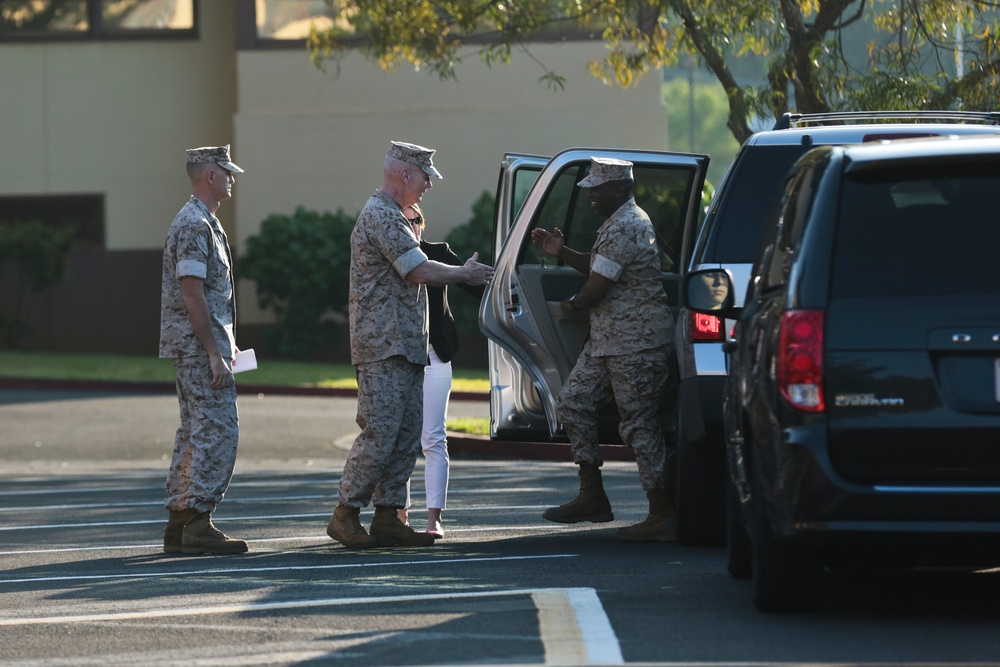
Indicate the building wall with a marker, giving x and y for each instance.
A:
(317, 140)
(114, 117)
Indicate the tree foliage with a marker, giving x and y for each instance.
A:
(907, 63)
(301, 266)
(34, 256)
(696, 123)
(474, 236)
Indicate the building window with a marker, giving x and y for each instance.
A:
(285, 24)
(292, 19)
(97, 19)
(82, 214)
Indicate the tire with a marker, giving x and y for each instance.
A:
(739, 555)
(701, 489)
(785, 579)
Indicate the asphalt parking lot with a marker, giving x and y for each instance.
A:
(81, 520)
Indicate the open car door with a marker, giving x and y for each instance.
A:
(533, 342)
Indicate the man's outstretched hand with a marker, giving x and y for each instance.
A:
(549, 242)
(479, 274)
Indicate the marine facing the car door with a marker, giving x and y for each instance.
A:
(625, 356)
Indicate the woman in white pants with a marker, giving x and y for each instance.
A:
(437, 379)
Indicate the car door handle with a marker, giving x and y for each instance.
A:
(515, 303)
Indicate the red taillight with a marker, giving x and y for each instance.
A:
(707, 329)
(800, 360)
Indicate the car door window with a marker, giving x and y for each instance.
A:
(795, 204)
(662, 191)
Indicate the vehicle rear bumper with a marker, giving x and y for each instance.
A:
(811, 502)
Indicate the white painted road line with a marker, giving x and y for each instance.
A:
(223, 519)
(573, 626)
(257, 570)
(540, 528)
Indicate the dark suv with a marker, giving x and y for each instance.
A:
(729, 237)
(862, 405)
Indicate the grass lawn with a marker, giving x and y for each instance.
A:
(52, 366)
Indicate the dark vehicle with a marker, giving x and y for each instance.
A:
(862, 406)
(729, 238)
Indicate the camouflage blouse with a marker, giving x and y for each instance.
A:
(196, 246)
(388, 313)
(634, 315)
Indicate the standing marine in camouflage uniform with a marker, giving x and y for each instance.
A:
(197, 316)
(388, 321)
(625, 356)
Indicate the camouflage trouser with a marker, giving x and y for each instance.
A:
(390, 414)
(205, 444)
(636, 383)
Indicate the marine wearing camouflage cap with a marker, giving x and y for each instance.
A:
(213, 154)
(415, 155)
(606, 170)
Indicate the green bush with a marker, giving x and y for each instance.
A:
(36, 255)
(474, 236)
(301, 265)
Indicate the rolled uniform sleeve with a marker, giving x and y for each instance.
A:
(192, 268)
(408, 261)
(606, 267)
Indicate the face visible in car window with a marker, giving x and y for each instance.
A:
(709, 290)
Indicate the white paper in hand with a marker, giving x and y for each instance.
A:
(246, 360)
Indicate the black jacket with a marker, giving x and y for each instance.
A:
(443, 334)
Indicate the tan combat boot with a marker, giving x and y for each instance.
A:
(590, 505)
(659, 526)
(390, 531)
(200, 536)
(346, 528)
(173, 533)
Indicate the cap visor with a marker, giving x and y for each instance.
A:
(588, 182)
(229, 166)
(432, 172)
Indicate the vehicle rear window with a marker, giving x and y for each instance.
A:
(755, 187)
(901, 233)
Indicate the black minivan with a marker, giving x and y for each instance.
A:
(729, 237)
(862, 405)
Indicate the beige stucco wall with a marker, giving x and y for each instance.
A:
(317, 140)
(114, 117)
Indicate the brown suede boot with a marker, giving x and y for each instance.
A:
(590, 505)
(346, 528)
(390, 531)
(174, 531)
(659, 526)
(200, 536)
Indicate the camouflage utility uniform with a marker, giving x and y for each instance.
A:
(205, 445)
(388, 319)
(626, 353)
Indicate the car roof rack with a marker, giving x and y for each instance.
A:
(789, 120)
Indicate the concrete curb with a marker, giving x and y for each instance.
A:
(169, 388)
(460, 445)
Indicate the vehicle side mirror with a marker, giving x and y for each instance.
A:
(710, 291)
